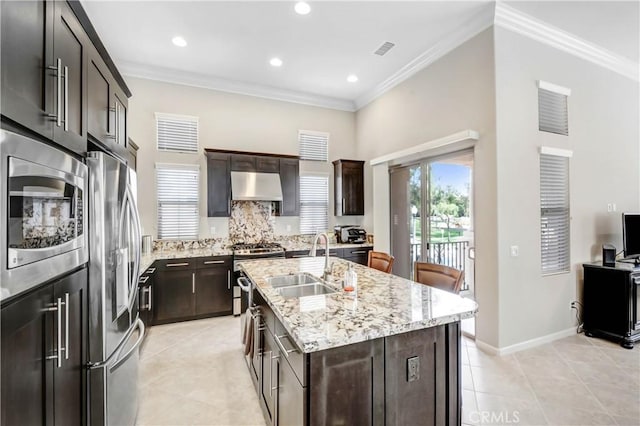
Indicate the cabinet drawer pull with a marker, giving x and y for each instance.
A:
(295, 256)
(66, 99)
(193, 283)
(282, 348)
(213, 262)
(173, 265)
(151, 271)
(66, 326)
(143, 280)
(228, 280)
(58, 115)
(359, 252)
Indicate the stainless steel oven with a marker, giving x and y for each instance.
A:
(43, 202)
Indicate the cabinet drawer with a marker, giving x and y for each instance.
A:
(213, 262)
(268, 317)
(357, 251)
(290, 352)
(176, 264)
(332, 252)
(296, 254)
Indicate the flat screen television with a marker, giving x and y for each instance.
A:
(631, 234)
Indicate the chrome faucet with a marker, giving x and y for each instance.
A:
(327, 267)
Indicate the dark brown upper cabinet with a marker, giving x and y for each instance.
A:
(243, 163)
(107, 106)
(348, 187)
(290, 181)
(43, 71)
(55, 72)
(28, 86)
(220, 164)
(218, 185)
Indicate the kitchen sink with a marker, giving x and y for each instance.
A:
(305, 290)
(292, 280)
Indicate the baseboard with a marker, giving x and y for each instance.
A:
(527, 344)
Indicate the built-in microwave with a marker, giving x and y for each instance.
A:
(43, 193)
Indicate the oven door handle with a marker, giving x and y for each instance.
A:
(244, 284)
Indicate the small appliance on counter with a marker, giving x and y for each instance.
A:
(350, 234)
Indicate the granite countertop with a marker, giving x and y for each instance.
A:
(384, 305)
(147, 260)
(295, 246)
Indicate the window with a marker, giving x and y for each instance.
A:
(314, 146)
(177, 133)
(553, 114)
(554, 210)
(314, 203)
(177, 191)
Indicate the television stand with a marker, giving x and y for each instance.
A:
(611, 302)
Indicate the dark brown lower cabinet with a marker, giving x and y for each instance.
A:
(346, 385)
(43, 378)
(191, 288)
(411, 378)
(422, 384)
(173, 291)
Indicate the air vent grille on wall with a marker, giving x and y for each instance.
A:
(177, 133)
(382, 50)
(553, 114)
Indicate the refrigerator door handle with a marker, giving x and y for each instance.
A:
(118, 349)
(137, 245)
(136, 345)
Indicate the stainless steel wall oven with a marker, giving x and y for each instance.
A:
(43, 192)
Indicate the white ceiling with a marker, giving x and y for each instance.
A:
(231, 42)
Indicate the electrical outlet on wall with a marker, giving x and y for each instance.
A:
(413, 369)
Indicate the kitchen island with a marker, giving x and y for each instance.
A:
(389, 354)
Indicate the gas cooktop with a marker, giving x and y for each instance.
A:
(243, 249)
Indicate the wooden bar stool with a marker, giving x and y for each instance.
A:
(438, 276)
(380, 261)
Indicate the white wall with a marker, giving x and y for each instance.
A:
(233, 122)
(603, 134)
(453, 94)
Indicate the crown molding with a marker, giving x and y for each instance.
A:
(514, 20)
(467, 30)
(188, 78)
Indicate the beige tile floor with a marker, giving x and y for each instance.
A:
(193, 373)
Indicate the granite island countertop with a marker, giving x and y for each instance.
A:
(383, 306)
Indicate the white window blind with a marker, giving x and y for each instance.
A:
(177, 187)
(177, 133)
(314, 204)
(554, 213)
(553, 115)
(314, 146)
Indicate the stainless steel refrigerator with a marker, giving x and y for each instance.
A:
(115, 330)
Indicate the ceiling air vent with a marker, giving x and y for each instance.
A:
(552, 108)
(382, 50)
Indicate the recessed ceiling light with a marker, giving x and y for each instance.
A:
(275, 62)
(352, 78)
(179, 41)
(302, 8)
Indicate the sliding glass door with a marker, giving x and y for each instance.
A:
(431, 214)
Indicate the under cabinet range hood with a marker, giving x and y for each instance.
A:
(250, 186)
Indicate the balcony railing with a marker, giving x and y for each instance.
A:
(450, 253)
